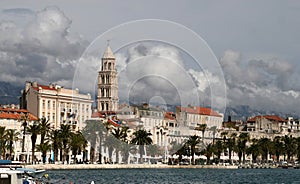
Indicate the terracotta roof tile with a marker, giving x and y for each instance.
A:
(6, 113)
(269, 117)
(199, 110)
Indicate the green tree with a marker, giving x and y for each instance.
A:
(126, 149)
(253, 150)
(65, 134)
(231, 144)
(94, 131)
(110, 142)
(119, 134)
(208, 151)
(289, 146)
(218, 149)
(192, 143)
(55, 143)
(44, 128)
(202, 128)
(141, 138)
(24, 119)
(241, 146)
(44, 148)
(12, 136)
(77, 144)
(34, 131)
(277, 148)
(264, 148)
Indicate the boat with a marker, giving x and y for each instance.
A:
(13, 173)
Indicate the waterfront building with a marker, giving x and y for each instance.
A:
(107, 98)
(13, 119)
(266, 124)
(57, 104)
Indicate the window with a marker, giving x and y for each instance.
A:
(43, 104)
(53, 104)
(48, 104)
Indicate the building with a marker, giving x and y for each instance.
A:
(57, 104)
(107, 98)
(13, 119)
(265, 124)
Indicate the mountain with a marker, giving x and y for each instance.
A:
(10, 93)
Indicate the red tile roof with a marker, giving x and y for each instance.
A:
(170, 116)
(199, 110)
(268, 117)
(44, 87)
(16, 114)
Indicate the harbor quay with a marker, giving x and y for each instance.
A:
(125, 166)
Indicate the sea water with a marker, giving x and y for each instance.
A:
(186, 176)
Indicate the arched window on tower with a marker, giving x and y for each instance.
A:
(103, 79)
(107, 106)
(102, 106)
(109, 66)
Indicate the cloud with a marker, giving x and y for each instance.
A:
(39, 50)
(263, 84)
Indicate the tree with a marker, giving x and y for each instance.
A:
(231, 144)
(241, 146)
(277, 147)
(289, 146)
(202, 128)
(218, 149)
(44, 148)
(141, 138)
(44, 128)
(110, 143)
(253, 150)
(77, 144)
(12, 136)
(34, 130)
(55, 143)
(192, 142)
(65, 134)
(3, 136)
(208, 151)
(120, 134)
(94, 131)
(126, 149)
(24, 119)
(264, 145)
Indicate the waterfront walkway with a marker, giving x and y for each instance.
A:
(123, 166)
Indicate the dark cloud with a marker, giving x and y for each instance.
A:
(44, 49)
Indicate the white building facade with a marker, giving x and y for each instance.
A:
(57, 104)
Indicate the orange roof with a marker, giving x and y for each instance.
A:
(199, 110)
(6, 113)
(44, 87)
(268, 117)
(170, 115)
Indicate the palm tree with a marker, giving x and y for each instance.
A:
(277, 148)
(231, 144)
(65, 134)
(202, 128)
(141, 138)
(12, 136)
(44, 148)
(253, 150)
(298, 147)
(34, 130)
(192, 142)
(56, 143)
(44, 128)
(208, 151)
(3, 136)
(120, 134)
(126, 149)
(24, 119)
(264, 148)
(77, 144)
(241, 146)
(218, 149)
(93, 131)
(110, 143)
(289, 146)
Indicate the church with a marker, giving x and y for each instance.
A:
(107, 97)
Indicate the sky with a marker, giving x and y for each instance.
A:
(255, 43)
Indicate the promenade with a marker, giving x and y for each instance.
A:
(124, 166)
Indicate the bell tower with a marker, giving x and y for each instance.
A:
(107, 98)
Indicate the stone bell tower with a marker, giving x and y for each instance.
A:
(107, 98)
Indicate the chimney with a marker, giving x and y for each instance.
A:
(145, 106)
(229, 119)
